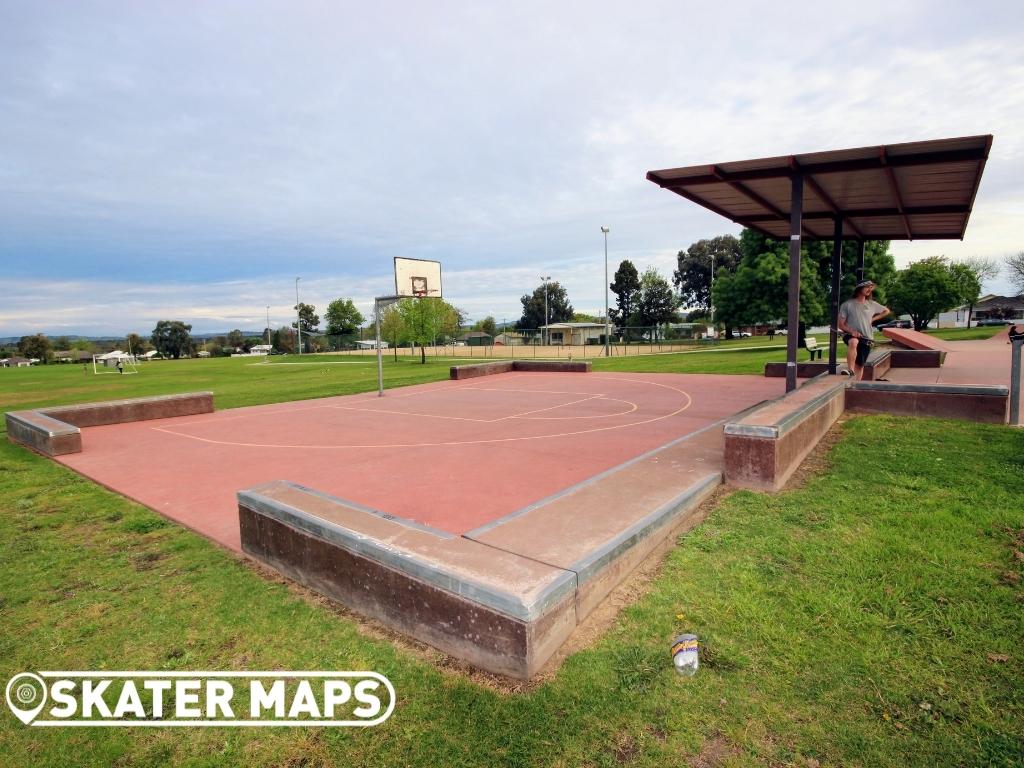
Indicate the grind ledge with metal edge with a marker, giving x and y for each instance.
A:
(57, 430)
(764, 448)
(505, 596)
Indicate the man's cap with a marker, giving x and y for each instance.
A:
(863, 283)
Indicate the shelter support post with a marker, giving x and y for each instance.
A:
(837, 274)
(861, 245)
(1014, 416)
(795, 241)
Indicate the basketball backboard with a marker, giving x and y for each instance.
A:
(417, 278)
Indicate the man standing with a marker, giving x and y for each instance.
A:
(856, 319)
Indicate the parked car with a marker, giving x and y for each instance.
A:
(897, 324)
(995, 321)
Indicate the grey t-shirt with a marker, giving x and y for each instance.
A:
(857, 315)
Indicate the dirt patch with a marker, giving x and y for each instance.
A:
(713, 753)
(626, 749)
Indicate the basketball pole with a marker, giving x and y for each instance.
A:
(378, 304)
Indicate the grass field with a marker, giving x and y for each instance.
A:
(871, 617)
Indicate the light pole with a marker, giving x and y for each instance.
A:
(546, 331)
(607, 327)
(268, 325)
(298, 315)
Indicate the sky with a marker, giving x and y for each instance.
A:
(188, 160)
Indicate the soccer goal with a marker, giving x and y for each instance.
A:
(114, 362)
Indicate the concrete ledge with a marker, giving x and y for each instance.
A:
(877, 365)
(42, 433)
(805, 370)
(556, 366)
(479, 369)
(765, 447)
(986, 404)
(136, 409)
(498, 610)
(505, 366)
(917, 358)
(57, 431)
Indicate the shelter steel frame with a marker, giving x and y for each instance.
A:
(915, 191)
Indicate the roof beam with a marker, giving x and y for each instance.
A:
(978, 154)
(894, 187)
(824, 197)
(919, 210)
(750, 194)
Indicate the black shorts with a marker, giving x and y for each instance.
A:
(863, 348)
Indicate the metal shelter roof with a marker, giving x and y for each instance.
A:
(922, 190)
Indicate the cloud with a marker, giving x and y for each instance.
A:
(218, 150)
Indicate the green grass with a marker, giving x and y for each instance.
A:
(847, 622)
(966, 334)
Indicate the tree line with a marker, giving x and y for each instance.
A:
(751, 281)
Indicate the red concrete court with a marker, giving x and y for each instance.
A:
(453, 455)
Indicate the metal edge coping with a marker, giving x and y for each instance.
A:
(940, 389)
(414, 565)
(17, 416)
(589, 565)
(486, 527)
(786, 423)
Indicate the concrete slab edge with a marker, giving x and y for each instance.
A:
(22, 418)
(775, 431)
(427, 571)
(589, 566)
(588, 482)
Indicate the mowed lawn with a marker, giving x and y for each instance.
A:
(871, 617)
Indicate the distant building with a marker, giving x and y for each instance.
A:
(576, 334)
(370, 344)
(15, 362)
(477, 339)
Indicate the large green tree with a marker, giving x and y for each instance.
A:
(693, 273)
(37, 347)
(308, 317)
(559, 308)
(488, 325)
(968, 285)
(424, 320)
(343, 318)
(626, 287)
(923, 290)
(758, 291)
(656, 302)
(171, 338)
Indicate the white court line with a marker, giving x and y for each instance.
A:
(677, 411)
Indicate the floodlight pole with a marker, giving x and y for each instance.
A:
(607, 327)
(298, 315)
(268, 324)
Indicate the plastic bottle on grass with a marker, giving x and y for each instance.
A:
(685, 655)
